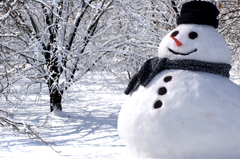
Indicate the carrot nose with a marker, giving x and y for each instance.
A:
(178, 43)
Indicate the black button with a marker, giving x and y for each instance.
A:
(167, 79)
(162, 91)
(158, 104)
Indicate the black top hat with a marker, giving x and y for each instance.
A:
(199, 12)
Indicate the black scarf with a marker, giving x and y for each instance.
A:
(155, 65)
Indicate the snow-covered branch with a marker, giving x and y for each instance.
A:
(57, 42)
(20, 127)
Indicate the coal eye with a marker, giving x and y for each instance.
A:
(175, 33)
(193, 35)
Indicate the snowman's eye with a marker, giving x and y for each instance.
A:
(193, 35)
(175, 33)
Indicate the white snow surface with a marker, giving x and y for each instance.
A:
(86, 129)
(199, 118)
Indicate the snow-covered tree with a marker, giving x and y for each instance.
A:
(230, 29)
(57, 41)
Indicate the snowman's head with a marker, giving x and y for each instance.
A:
(196, 38)
(196, 42)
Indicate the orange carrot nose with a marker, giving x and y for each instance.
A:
(176, 41)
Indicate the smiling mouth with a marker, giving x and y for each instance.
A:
(184, 54)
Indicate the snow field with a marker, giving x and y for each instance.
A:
(86, 129)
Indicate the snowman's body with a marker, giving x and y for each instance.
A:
(184, 114)
(199, 117)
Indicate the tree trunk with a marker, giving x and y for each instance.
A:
(53, 85)
(55, 100)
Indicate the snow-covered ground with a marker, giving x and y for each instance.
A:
(87, 128)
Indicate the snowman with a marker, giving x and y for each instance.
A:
(181, 104)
